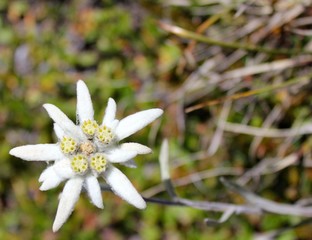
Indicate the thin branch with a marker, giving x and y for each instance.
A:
(234, 45)
(225, 216)
(206, 205)
(268, 205)
(267, 123)
(202, 205)
(303, 80)
(268, 166)
(267, 132)
(226, 208)
(192, 178)
(218, 134)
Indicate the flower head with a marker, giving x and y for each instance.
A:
(88, 150)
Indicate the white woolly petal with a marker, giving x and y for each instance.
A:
(113, 124)
(58, 131)
(49, 179)
(122, 187)
(69, 128)
(118, 155)
(38, 152)
(84, 103)
(47, 173)
(63, 168)
(136, 122)
(139, 148)
(94, 191)
(51, 182)
(130, 164)
(110, 112)
(67, 202)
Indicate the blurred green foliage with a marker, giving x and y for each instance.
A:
(119, 50)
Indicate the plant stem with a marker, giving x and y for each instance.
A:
(249, 47)
(291, 82)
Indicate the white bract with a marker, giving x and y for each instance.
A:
(87, 151)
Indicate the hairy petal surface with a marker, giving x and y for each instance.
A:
(94, 191)
(139, 148)
(47, 173)
(136, 122)
(122, 187)
(110, 113)
(84, 103)
(50, 179)
(63, 169)
(118, 155)
(38, 152)
(70, 129)
(58, 131)
(130, 164)
(51, 182)
(67, 202)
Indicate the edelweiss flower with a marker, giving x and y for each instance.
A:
(87, 151)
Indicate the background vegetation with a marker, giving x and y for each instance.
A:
(252, 57)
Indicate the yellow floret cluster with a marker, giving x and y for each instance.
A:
(79, 163)
(83, 155)
(104, 135)
(98, 162)
(89, 127)
(68, 145)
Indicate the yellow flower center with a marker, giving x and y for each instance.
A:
(84, 155)
(104, 134)
(89, 127)
(79, 163)
(98, 162)
(68, 145)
